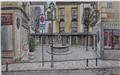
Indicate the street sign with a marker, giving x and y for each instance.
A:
(42, 22)
(42, 27)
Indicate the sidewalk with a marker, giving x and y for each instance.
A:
(62, 65)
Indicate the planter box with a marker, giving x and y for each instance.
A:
(31, 56)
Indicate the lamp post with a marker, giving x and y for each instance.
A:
(86, 22)
(52, 7)
(87, 26)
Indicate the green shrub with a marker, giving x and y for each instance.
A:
(31, 44)
(74, 40)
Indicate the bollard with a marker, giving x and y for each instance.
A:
(87, 62)
(6, 67)
(96, 62)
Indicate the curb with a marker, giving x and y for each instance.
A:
(65, 69)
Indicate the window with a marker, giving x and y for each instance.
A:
(6, 37)
(86, 11)
(74, 13)
(86, 15)
(61, 13)
(62, 26)
(116, 39)
(6, 32)
(18, 23)
(37, 10)
(112, 39)
(74, 19)
(74, 24)
(109, 5)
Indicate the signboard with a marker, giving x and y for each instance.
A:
(42, 22)
(111, 23)
(6, 19)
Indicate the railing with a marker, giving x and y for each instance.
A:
(87, 63)
(74, 29)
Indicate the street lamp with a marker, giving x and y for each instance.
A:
(52, 8)
(86, 22)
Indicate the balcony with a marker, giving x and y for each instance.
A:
(61, 30)
(74, 17)
(61, 17)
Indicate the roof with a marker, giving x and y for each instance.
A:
(37, 3)
(71, 3)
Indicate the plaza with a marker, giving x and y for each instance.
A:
(60, 38)
(76, 53)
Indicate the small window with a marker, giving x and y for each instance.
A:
(74, 14)
(18, 23)
(74, 24)
(74, 11)
(61, 11)
(109, 5)
(61, 24)
(61, 27)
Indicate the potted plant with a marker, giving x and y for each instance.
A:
(31, 48)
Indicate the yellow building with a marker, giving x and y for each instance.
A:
(69, 22)
(68, 17)
(14, 30)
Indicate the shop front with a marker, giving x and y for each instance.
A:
(111, 39)
(111, 43)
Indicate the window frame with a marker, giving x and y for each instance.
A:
(61, 14)
(61, 29)
(109, 5)
(74, 19)
(112, 30)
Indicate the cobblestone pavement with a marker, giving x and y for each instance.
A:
(76, 53)
(75, 72)
(76, 61)
(114, 71)
(62, 65)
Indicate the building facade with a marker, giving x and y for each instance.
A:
(14, 30)
(68, 17)
(108, 29)
(69, 22)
